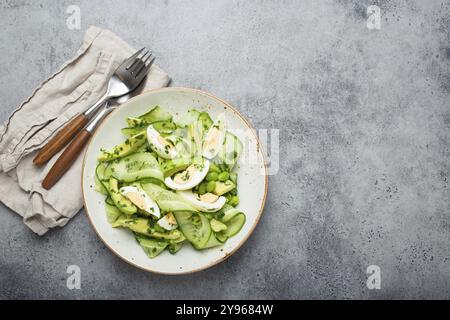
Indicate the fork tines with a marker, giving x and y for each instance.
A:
(140, 61)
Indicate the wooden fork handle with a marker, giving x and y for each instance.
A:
(66, 159)
(60, 140)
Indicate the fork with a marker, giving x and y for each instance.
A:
(125, 79)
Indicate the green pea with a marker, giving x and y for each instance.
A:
(212, 176)
(223, 176)
(234, 201)
(214, 168)
(211, 186)
(202, 188)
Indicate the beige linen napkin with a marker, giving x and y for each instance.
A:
(74, 88)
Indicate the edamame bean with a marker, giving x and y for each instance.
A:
(211, 186)
(212, 176)
(202, 188)
(214, 168)
(234, 201)
(223, 176)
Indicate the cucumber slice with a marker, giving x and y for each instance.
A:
(131, 131)
(109, 201)
(195, 227)
(99, 187)
(231, 151)
(190, 117)
(222, 236)
(152, 247)
(155, 115)
(235, 225)
(102, 172)
(175, 247)
(229, 213)
(135, 167)
(212, 242)
(158, 182)
(166, 200)
(112, 213)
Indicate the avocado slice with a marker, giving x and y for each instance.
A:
(170, 167)
(129, 146)
(138, 225)
(224, 187)
(122, 203)
(206, 120)
(217, 226)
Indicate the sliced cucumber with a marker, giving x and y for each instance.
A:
(175, 247)
(135, 167)
(99, 187)
(190, 117)
(235, 225)
(112, 213)
(155, 115)
(109, 201)
(195, 227)
(166, 200)
(221, 236)
(158, 182)
(131, 131)
(152, 247)
(212, 242)
(230, 152)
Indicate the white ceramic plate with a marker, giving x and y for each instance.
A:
(252, 180)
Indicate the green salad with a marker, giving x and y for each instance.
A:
(173, 181)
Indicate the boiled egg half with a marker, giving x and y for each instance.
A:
(163, 147)
(168, 222)
(208, 202)
(188, 178)
(215, 137)
(141, 200)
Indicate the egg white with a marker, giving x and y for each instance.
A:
(160, 145)
(194, 178)
(202, 206)
(141, 200)
(215, 137)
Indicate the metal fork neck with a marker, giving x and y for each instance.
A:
(89, 113)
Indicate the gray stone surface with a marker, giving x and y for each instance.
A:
(365, 130)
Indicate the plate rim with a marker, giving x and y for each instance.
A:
(261, 209)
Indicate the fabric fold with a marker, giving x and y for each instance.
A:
(78, 84)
